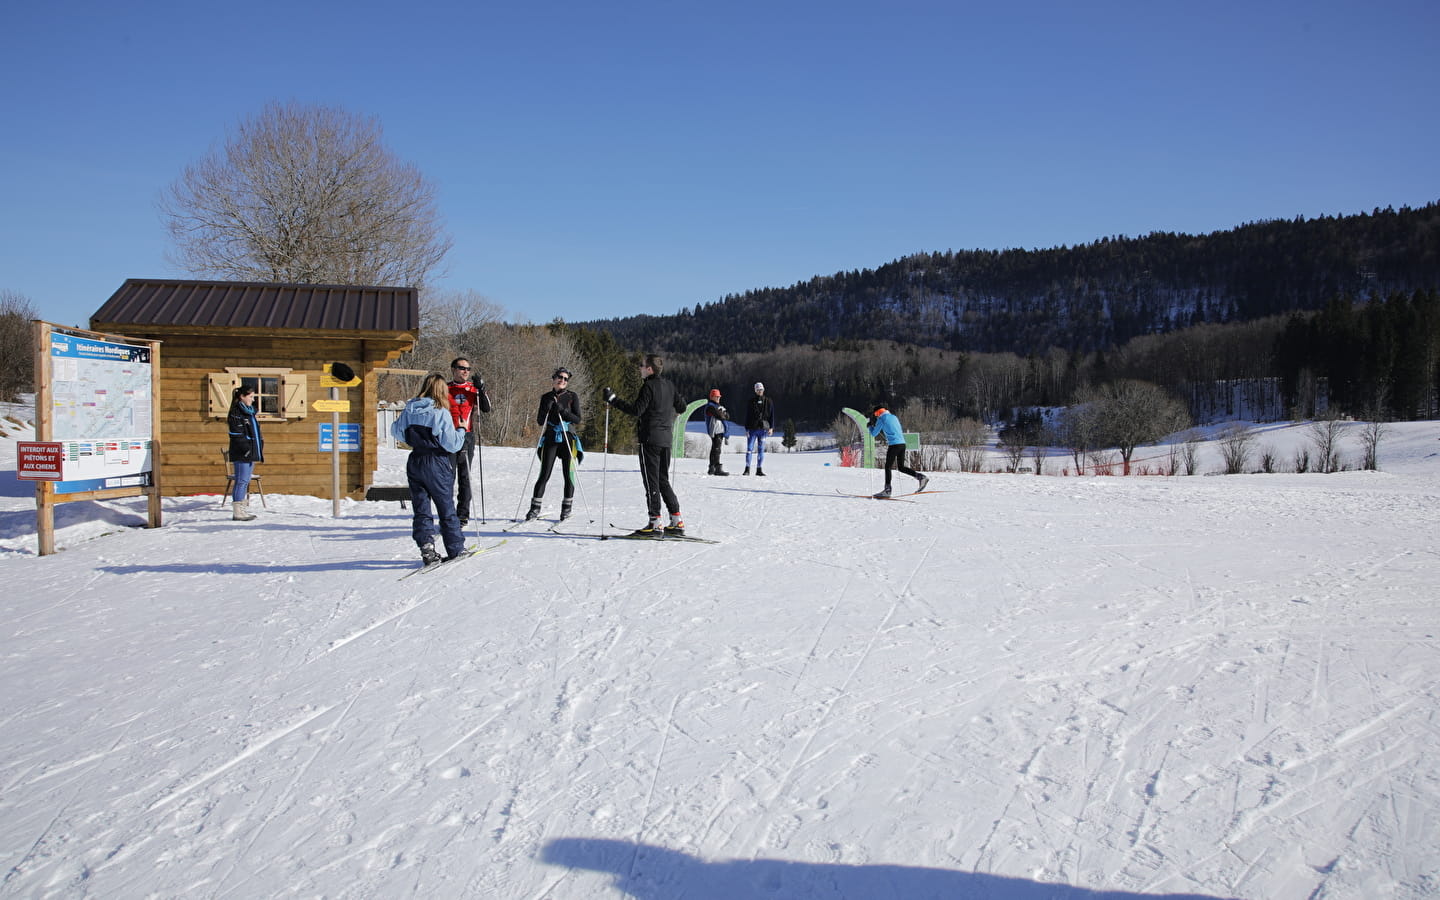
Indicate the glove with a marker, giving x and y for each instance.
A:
(608, 394)
(478, 382)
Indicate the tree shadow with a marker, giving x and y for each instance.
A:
(646, 872)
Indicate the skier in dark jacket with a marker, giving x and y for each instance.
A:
(715, 419)
(426, 425)
(655, 409)
(759, 424)
(559, 411)
(247, 448)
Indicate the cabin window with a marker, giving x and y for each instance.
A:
(282, 392)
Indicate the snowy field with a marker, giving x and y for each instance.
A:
(1024, 687)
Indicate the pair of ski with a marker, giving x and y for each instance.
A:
(643, 535)
(904, 497)
(551, 526)
(468, 552)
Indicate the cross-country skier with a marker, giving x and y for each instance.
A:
(885, 422)
(558, 414)
(715, 419)
(426, 425)
(654, 409)
(467, 396)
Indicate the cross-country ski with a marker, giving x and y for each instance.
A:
(446, 563)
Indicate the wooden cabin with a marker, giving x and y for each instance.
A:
(279, 338)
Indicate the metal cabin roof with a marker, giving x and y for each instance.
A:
(234, 304)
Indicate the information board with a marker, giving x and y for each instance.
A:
(101, 413)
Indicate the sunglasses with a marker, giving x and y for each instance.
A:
(562, 377)
(461, 368)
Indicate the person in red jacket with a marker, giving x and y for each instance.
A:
(467, 396)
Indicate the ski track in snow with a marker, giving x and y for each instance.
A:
(1219, 687)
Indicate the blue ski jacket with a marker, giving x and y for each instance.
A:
(887, 422)
(426, 428)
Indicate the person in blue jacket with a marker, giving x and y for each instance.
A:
(247, 448)
(427, 426)
(885, 422)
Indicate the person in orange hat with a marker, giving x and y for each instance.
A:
(715, 419)
(884, 422)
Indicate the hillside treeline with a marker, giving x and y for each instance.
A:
(1376, 358)
(1084, 298)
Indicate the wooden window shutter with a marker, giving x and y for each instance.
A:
(296, 399)
(222, 384)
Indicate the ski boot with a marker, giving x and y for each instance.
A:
(565, 507)
(534, 512)
(428, 556)
(924, 481)
(676, 526)
(883, 495)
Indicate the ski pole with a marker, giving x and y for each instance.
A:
(480, 462)
(521, 498)
(604, 470)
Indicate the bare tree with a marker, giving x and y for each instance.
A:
(17, 344)
(1012, 446)
(309, 195)
(1079, 432)
(517, 365)
(1325, 438)
(452, 324)
(969, 442)
(1038, 454)
(1236, 442)
(1131, 413)
(1371, 433)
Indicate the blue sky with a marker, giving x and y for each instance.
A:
(596, 160)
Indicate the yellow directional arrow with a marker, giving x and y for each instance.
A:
(332, 405)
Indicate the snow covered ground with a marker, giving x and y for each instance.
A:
(1024, 687)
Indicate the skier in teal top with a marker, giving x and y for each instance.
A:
(885, 422)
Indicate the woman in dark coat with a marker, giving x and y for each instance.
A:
(247, 448)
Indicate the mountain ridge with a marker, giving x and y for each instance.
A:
(1083, 298)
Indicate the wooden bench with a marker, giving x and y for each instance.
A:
(389, 492)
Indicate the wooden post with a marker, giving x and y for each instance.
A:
(44, 407)
(335, 454)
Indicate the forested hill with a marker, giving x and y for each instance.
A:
(1086, 297)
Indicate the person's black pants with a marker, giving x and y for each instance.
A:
(655, 474)
(895, 459)
(549, 452)
(462, 458)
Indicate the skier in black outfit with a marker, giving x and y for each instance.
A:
(759, 424)
(655, 409)
(559, 411)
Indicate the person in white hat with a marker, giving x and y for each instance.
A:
(759, 424)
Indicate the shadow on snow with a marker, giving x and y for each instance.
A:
(646, 872)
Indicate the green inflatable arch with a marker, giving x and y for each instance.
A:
(867, 458)
(677, 439)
